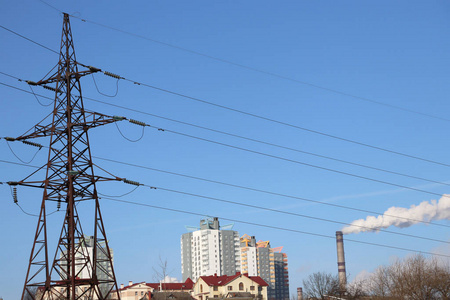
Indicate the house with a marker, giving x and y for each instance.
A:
(138, 291)
(238, 286)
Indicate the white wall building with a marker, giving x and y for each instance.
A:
(210, 249)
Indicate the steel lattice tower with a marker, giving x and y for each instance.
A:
(69, 179)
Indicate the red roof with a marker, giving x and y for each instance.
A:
(215, 280)
(187, 285)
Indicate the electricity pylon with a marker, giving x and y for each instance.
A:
(75, 273)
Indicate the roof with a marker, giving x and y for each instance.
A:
(172, 286)
(215, 280)
(130, 286)
(178, 286)
(171, 295)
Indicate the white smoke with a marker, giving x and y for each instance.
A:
(403, 217)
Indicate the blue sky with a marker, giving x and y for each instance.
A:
(395, 53)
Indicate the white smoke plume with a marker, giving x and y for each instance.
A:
(403, 217)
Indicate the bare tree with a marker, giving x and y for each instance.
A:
(320, 285)
(356, 290)
(414, 278)
(161, 272)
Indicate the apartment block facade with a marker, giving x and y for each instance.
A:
(259, 259)
(210, 249)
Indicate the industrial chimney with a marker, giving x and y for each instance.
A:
(341, 261)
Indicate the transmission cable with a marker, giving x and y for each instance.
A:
(256, 190)
(290, 160)
(331, 90)
(263, 191)
(119, 196)
(285, 123)
(25, 162)
(250, 139)
(159, 129)
(106, 95)
(267, 118)
(272, 227)
(35, 96)
(128, 139)
(289, 213)
(30, 40)
(268, 143)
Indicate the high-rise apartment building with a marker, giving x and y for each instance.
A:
(86, 248)
(210, 249)
(259, 259)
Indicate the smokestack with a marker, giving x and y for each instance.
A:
(341, 261)
(299, 293)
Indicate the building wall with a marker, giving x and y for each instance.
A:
(281, 277)
(135, 292)
(230, 252)
(259, 259)
(186, 255)
(203, 290)
(104, 267)
(210, 251)
(263, 259)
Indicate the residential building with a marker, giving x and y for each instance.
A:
(259, 259)
(210, 249)
(84, 269)
(239, 285)
(134, 291)
(141, 290)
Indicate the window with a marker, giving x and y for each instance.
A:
(216, 288)
(201, 288)
(241, 286)
(252, 288)
(230, 288)
(142, 293)
(135, 293)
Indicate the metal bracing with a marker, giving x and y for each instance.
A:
(74, 273)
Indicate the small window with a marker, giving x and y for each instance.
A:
(201, 288)
(135, 293)
(252, 288)
(230, 288)
(241, 286)
(216, 288)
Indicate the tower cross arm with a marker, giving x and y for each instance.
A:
(58, 77)
(55, 184)
(91, 120)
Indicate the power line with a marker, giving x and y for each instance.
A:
(292, 160)
(30, 40)
(289, 213)
(331, 90)
(263, 191)
(285, 123)
(250, 189)
(268, 143)
(272, 227)
(263, 208)
(273, 156)
(247, 138)
(267, 118)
